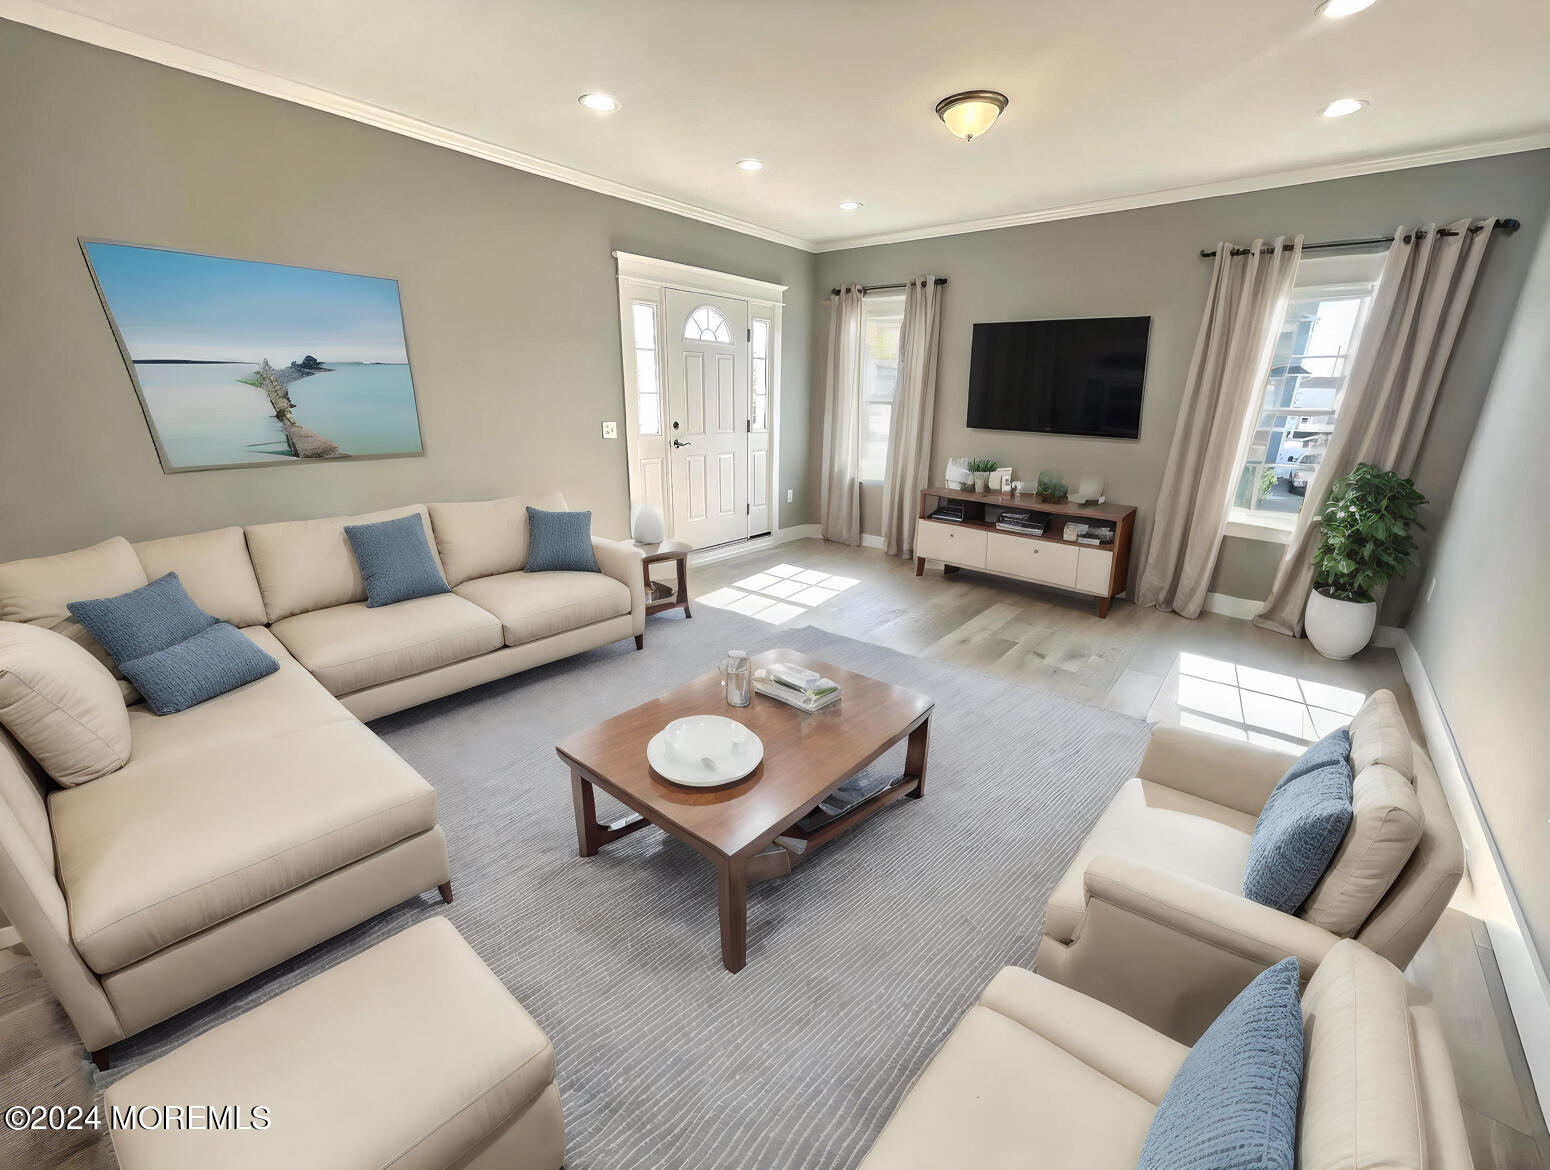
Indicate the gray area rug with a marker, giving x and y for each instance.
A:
(859, 964)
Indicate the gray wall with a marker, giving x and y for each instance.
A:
(1144, 263)
(1483, 635)
(507, 283)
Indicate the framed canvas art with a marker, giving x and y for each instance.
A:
(240, 363)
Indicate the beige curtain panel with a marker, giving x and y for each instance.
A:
(1400, 358)
(914, 404)
(1244, 306)
(840, 490)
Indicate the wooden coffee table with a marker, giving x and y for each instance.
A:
(806, 757)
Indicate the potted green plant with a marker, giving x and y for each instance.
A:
(1051, 489)
(1364, 542)
(981, 469)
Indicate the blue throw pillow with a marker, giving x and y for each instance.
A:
(560, 542)
(1233, 1103)
(143, 620)
(1333, 748)
(1298, 832)
(218, 659)
(395, 560)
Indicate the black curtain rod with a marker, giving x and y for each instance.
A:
(1505, 225)
(866, 288)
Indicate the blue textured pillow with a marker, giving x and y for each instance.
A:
(395, 559)
(218, 659)
(1233, 1103)
(1333, 748)
(143, 620)
(1298, 831)
(560, 542)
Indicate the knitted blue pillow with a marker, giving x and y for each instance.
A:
(395, 560)
(143, 620)
(1298, 832)
(1333, 748)
(218, 659)
(1233, 1103)
(560, 542)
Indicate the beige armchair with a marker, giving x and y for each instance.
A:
(1150, 916)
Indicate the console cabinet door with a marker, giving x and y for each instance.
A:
(950, 544)
(1094, 568)
(1037, 560)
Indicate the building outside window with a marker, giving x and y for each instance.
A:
(881, 319)
(1299, 408)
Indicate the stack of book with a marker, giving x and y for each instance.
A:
(1020, 520)
(804, 689)
(950, 510)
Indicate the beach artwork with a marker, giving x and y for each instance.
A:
(240, 363)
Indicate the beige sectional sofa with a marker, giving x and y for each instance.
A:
(1037, 1074)
(1150, 916)
(250, 827)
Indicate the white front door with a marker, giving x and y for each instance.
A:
(707, 416)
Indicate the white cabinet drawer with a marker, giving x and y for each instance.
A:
(1094, 567)
(1037, 560)
(950, 543)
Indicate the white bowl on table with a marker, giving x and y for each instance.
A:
(704, 750)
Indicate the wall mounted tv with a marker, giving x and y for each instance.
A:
(1076, 377)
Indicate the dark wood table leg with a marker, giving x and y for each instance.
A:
(1103, 606)
(590, 835)
(732, 886)
(915, 757)
(683, 584)
(920, 566)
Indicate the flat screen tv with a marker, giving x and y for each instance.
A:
(1076, 377)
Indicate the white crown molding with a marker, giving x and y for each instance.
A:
(43, 16)
(1262, 182)
(671, 274)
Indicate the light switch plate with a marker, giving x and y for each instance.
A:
(610, 430)
(788, 495)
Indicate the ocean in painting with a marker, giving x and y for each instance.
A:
(205, 416)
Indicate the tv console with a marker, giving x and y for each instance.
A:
(976, 543)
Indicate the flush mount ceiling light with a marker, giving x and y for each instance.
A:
(599, 103)
(971, 113)
(749, 164)
(1339, 8)
(850, 205)
(1340, 107)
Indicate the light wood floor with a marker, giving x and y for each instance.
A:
(1214, 672)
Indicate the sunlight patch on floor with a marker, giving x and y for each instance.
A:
(1259, 706)
(778, 594)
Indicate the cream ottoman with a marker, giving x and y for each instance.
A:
(412, 1055)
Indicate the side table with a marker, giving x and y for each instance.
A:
(658, 596)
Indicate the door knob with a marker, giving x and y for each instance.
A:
(681, 443)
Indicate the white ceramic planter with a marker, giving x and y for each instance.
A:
(1338, 629)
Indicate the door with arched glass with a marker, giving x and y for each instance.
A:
(707, 417)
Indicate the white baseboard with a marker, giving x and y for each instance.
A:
(1233, 607)
(870, 541)
(1523, 975)
(9, 937)
(723, 552)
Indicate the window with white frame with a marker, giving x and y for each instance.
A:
(1299, 409)
(707, 324)
(881, 320)
(759, 374)
(648, 391)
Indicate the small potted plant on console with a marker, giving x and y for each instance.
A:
(981, 469)
(1051, 488)
(1364, 543)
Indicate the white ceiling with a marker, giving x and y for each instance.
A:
(1114, 103)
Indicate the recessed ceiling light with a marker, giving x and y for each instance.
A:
(599, 103)
(1340, 107)
(850, 205)
(749, 164)
(1339, 8)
